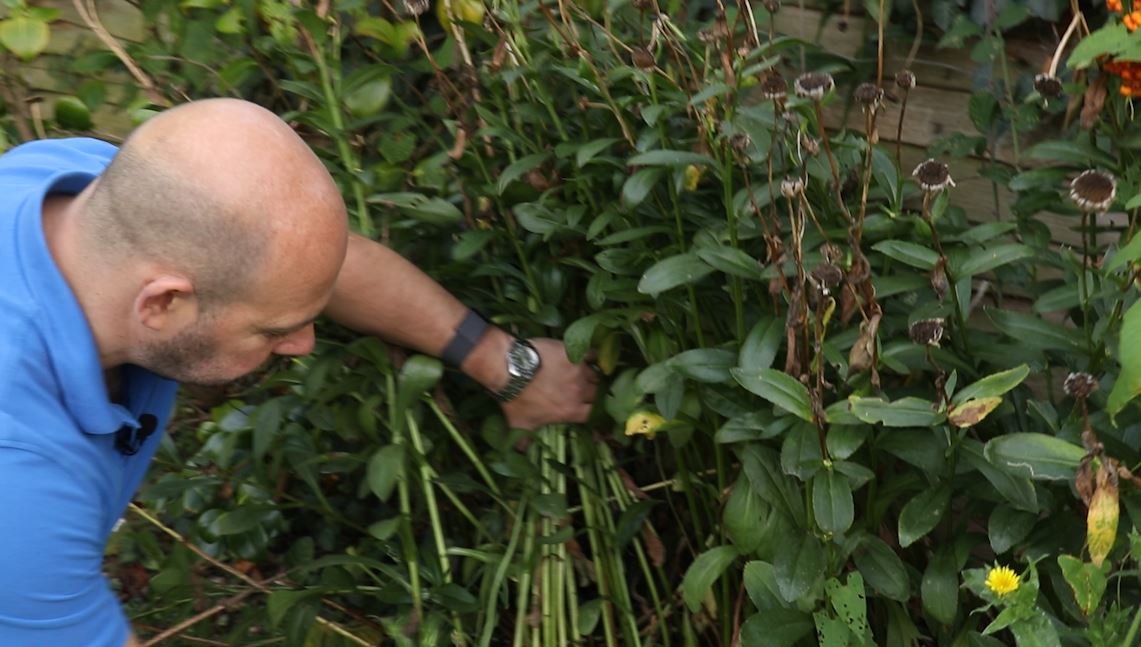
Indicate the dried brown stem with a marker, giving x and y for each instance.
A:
(199, 617)
(832, 163)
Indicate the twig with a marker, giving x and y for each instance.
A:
(199, 617)
(90, 17)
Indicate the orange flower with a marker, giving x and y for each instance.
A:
(1132, 20)
(1113, 5)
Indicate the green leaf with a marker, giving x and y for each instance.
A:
(761, 345)
(797, 566)
(589, 614)
(743, 517)
(516, 169)
(1128, 383)
(960, 30)
(908, 253)
(436, 211)
(832, 501)
(1113, 38)
(591, 149)
(993, 385)
(761, 585)
(550, 505)
(830, 632)
(1038, 456)
(578, 335)
(367, 90)
(1033, 332)
(761, 466)
(715, 89)
(418, 375)
(922, 513)
(278, 603)
(235, 522)
(1086, 581)
(709, 365)
(639, 185)
(939, 588)
(384, 468)
(704, 571)
(671, 272)
(1133, 203)
(384, 530)
(72, 114)
(731, 261)
(1007, 527)
(670, 158)
(882, 568)
(1082, 154)
(987, 259)
(850, 603)
(777, 387)
(1016, 489)
(1130, 253)
(776, 628)
(24, 36)
(905, 412)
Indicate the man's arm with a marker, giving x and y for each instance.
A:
(380, 293)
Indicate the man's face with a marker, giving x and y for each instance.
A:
(232, 340)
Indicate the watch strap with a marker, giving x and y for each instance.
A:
(467, 335)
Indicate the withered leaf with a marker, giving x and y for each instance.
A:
(972, 412)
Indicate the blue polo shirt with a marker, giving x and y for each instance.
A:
(63, 481)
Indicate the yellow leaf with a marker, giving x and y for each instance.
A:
(972, 412)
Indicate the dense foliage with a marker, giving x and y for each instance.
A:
(838, 408)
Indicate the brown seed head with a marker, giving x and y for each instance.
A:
(1093, 191)
(415, 7)
(831, 253)
(810, 145)
(1079, 385)
(813, 85)
(1048, 86)
(926, 332)
(642, 58)
(642, 5)
(740, 142)
(791, 186)
(905, 80)
(869, 96)
(933, 176)
(774, 87)
(827, 276)
(772, 6)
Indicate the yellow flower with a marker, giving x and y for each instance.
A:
(1002, 580)
(643, 423)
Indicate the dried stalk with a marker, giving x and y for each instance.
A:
(87, 11)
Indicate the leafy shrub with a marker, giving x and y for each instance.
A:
(838, 407)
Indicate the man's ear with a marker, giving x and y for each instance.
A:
(166, 303)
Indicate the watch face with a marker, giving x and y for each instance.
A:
(522, 359)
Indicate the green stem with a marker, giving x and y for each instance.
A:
(1010, 99)
(464, 446)
(490, 612)
(364, 222)
(731, 217)
(407, 541)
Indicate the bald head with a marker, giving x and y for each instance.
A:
(222, 191)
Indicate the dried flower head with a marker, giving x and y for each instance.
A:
(791, 186)
(831, 253)
(926, 332)
(1002, 580)
(905, 79)
(869, 96)
(827, 277)
(1048, 86)
(813, 85)
(642, 58)
(933, 176)
(1079, 385)
(790, 119)
(1104, 513)
(641, 5)
(740, 142)
(774, 87)
(1093, 191)
(772, 6)
(706, 36)
(415, 7)
(810, 144)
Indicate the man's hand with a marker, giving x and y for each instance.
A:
(560, 392)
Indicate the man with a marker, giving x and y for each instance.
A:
(212, 240)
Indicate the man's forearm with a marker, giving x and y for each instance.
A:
(380, 293)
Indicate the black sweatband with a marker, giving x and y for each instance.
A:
(467, 336)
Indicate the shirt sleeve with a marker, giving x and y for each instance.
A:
(52, 588)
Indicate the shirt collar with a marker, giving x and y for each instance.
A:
(67, 335)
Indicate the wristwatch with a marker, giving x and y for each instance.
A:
(522, 364)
